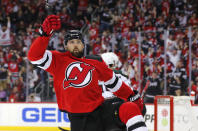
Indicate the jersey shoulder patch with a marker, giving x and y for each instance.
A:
(94, 57)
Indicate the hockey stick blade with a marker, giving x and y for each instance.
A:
(62, 129)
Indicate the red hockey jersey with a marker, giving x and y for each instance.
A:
(76, 79)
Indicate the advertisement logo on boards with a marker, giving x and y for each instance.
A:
(44, 114)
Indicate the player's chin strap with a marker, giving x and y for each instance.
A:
(62, 129)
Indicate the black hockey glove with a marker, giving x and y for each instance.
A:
(139, 101)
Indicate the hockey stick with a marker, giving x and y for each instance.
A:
(145, 88)
(48, 7)
(49, 10)
(62, 129)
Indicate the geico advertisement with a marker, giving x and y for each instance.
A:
(32, 114)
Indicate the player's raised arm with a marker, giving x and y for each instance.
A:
(38, 54)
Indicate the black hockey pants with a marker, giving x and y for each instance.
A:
(104, 118)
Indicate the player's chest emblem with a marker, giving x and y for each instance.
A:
(78, 74)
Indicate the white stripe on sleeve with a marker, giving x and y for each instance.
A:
(47, 63)
(111, 81)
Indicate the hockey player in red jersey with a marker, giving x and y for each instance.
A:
(76, 83)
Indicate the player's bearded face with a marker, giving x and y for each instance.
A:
(76, 47)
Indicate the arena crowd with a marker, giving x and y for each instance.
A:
(135, 30)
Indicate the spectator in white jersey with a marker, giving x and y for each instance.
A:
(5, 39)
(174, 55)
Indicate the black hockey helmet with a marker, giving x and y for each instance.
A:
(73, 34)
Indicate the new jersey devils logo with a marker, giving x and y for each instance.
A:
(78, 74)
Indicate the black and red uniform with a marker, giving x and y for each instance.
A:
(76, 84)
(76, 79)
